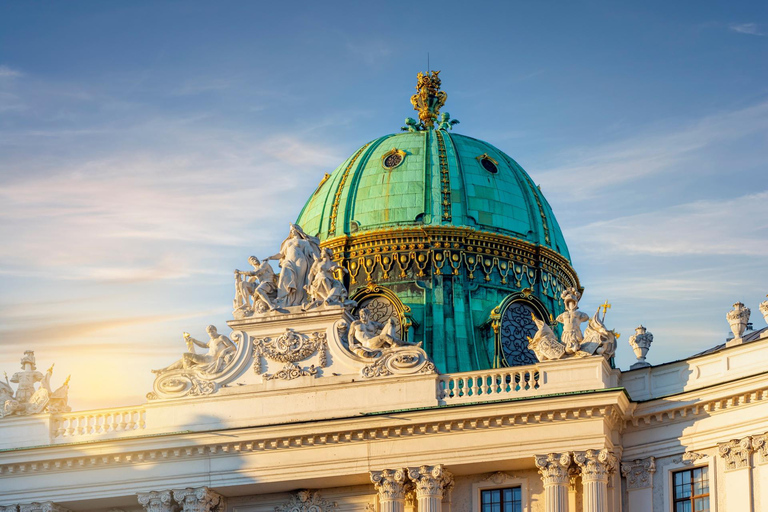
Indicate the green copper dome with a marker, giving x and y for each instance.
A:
(440, 180)
(448, 236)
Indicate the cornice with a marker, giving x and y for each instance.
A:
(481, 417)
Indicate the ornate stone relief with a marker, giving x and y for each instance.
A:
(309, 278)
(640, 343)
(430, 480)
(290, 348)
(391, 484)
(307, 501)
(596, 465)
(379, 346)
(596, 340)
(689, 458)
(201, 499)
(736, 453)
(203, 374)
(553, 468)
(29, 399)
(738, 318)
(157, 501)
(639, 472)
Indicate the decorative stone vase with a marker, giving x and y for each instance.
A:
(640, 343)
(764, 310)
(738, 318)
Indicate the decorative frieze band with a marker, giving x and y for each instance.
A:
(639, 473)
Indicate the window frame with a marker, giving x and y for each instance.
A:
(669, 480)
(692, 497)
(508, 481)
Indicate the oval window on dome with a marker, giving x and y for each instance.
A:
(488, 163)
(392, 158)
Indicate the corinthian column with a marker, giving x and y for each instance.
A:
(553, 469)
(431, 483)
(201, 499)
(596, 466)
(391, 486)
(639, 475)
(156, 501)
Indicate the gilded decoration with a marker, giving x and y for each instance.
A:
(391, 255)
(337, 197)
(392, 158)
(445, 177)
(429, 99)
(383, 304)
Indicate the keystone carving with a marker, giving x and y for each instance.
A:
(639, 472)
(596, 465)
(391, 484)
(430, 481)
(201, 499)
(553, 468)
(736, 453)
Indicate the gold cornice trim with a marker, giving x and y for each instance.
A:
(445, 178)
(342, 182)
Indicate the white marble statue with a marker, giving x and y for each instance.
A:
(738, 318)
(571, 319)
(598, 339)
(297, 253)
(323, 287)
(544, 343)
(764, 309)
(255, 290)
(640, 343)
(367, 337)
(30, 400)
(220, 350)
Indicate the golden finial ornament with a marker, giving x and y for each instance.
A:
(429, 98)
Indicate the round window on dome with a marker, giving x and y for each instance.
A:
(488, 163)
(392, 158)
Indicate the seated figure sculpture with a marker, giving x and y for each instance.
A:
(323, 287)
(367, 337)
(220, 348)
(256, 290)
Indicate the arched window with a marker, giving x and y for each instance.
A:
(513, 326)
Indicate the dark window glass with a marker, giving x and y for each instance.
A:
(691, 490)
(393, 160)
(516, 326)
(501, 500)
(489, 166)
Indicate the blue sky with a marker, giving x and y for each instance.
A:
(148, 148)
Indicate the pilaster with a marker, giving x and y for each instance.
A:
(201, 499)
(737, 455)
(157, 501)
(431, 483)
(391, 484)
(639, 475)
(596, 466)
(553, 469)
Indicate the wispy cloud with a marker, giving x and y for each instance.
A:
(724, 227)
(7, 72)
(588, 172)
(752, 29)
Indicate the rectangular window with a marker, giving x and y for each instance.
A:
(501, 500)
(691, 490)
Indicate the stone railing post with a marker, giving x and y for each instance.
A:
(431, 483)
(737, 455)
(391, 484)
(157, 501)
(596, 466)
(553, 469)
(639, 475)
(201, 499)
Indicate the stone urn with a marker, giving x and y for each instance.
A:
(640, 343)
(738, 318)
(764, 310)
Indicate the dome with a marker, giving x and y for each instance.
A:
(488, 191)
(448, 236)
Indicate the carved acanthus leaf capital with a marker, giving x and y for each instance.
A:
(760, 445)
(596, 465)
(736, 453)
(391, 484)
(553, 468)
(157, 501)
(307, 501)
(45, 506)
(201, 499)
(430, 480)
(639, 472)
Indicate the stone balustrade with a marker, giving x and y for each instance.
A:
(489, 384)
(98, 422)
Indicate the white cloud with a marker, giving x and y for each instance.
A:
(726, 227)
(6, 72)
(746, 28)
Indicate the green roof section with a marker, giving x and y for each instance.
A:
(440, 181)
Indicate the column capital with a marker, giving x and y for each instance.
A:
(760, 446)
(157, 501)
(390, 483)
(200, 499)
(639, 473)
(430, 480)
(44, 506)
(595, 465)
(736, 453)
(9, 508)
(553, 468)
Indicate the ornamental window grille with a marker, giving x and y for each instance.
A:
(381, 309)
(516, 326)
(691, 490)
(501, 500)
